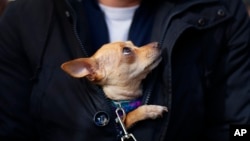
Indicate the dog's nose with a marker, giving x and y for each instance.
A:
(155, 44)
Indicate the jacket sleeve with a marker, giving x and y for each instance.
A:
(15, 85)
(233, 92)
(237, 62)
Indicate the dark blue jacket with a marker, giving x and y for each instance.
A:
(203, 78)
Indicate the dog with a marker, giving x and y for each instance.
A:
(119, 68)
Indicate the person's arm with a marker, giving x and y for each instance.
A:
(237, 64)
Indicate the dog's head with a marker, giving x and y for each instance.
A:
(118, 63)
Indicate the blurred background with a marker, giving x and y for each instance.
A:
(247, 3)
(3, 4)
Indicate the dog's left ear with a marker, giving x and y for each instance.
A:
(80, 68)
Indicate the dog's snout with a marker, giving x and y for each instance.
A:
(154, 44)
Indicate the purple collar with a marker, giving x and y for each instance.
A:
(127, 105)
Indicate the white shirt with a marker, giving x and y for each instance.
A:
(118, 20)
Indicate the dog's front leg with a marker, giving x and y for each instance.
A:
(144, 112)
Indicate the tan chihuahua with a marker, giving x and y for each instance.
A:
(119, 68)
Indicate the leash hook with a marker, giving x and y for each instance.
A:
(126, 134)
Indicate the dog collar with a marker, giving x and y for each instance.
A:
(127, 105)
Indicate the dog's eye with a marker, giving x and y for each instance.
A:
(126, 50)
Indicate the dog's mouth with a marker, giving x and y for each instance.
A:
(154, 64)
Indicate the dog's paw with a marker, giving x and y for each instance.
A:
(154, 111)
(144, 112)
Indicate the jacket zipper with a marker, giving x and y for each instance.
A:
(148, 91)
(96, 88)
(100, 91)
(75, 30)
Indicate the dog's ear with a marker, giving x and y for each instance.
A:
(80, 68)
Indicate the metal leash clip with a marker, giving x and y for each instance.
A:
(126, 134)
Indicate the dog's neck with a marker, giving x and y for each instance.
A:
(116, 92)
(127, 105)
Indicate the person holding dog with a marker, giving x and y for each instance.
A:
(202, 79)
